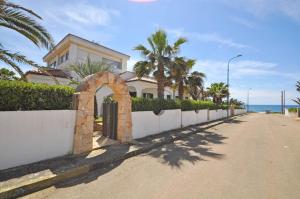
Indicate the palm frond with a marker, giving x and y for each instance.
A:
(143, 68)
(16, 6)
(178, 43)
(6, 59)
(10, 59)
(143, 50)
(298, 86)
(149, 39)
(297, 101)
(26, 26)
(160, 41)
(89, 67)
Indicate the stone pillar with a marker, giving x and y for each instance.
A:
(83, 136)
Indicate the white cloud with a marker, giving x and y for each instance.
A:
(78, 14)
(262, 8)
(244, 22)
(208, 37)
(238, 69)
(90, 15)
(291, 8)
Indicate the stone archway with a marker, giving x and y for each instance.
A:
(83, 102)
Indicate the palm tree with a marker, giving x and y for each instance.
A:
(179, 70)
(236, 103)
(218, 91)
(6, 74)
(157, 59)
(195, 84)
(21, 20)
(84, 69)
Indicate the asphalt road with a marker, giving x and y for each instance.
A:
(256, 156)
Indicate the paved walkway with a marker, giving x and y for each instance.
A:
(256, 156)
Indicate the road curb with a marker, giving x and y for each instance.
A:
(50, 179)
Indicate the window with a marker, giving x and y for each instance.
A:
(53, 64)
(61, 59)
(113, 64)
(168, 96)
(132, 94)
(67, 55)
(148, 95)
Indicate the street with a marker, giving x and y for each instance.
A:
(255, 156)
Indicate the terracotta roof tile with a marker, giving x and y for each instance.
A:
(51, 71)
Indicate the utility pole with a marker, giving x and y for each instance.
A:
(281, 102)
(248, 93)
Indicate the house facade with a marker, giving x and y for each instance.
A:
(73, 49)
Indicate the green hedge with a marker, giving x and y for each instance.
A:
(190, 105)
(155, 105)
(18, 95)
(293, 110)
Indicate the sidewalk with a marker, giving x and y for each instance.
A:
(33, 177)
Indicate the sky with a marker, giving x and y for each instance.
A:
(265, 32)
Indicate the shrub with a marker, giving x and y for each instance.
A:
(155, 105)
(18, 95)
(293, 110)
(189, 105)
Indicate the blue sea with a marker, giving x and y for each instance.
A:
(272, 108)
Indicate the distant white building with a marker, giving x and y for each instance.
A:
(73, 49)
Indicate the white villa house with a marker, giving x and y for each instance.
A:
(73, 49)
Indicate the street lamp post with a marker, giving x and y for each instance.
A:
(228, 82)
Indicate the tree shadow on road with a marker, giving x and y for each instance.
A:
(191, 149)
(234, 121)
(194, 148)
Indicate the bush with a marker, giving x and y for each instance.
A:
(293, 110)
(192, 105)
(18, 95)
(155, 105)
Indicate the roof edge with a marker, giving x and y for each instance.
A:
(85, 40)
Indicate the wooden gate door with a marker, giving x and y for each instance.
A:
(110, 120)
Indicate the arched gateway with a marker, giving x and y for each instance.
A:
(83, 102)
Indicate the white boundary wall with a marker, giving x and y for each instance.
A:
(193, 117)
(215, 114)
(169, 119)
(202, 116)
(31, 136)
(239, 111)
(224, 113)
(146, 123)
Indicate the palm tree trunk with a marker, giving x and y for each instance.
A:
(160, 82)
(180, 89)
(194, 96)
